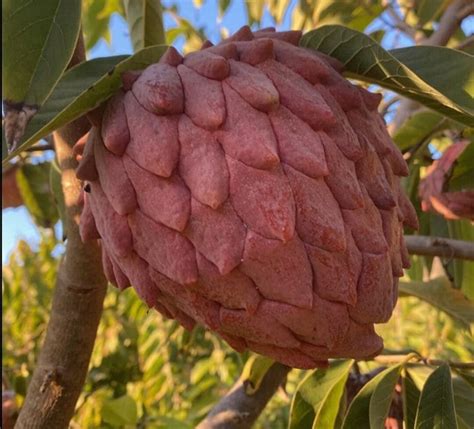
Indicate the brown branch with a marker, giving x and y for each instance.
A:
(77, 305)
(436, 246)
(237, 409)
(395, 359)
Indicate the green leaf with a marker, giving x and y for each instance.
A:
(411, 396)
(38, 41)
(463, 270)
(382, 397)
(418, 128)
(82, 89)
(255, 11)
(439, 293)
(429, 10)
(434, 64)
(317, 398)
(120, 411)
(254, 370)
(145, 21)
(462, 176)
(366, 60)
(464, 400)
(33, 183)
(96, 16)
(436, 406)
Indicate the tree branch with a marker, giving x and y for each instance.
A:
(77, 304)
(237, 409)
(437, 246)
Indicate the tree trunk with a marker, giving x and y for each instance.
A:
(77, 304)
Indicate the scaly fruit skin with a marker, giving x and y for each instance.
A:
(250, 188)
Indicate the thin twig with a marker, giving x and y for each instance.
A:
(395, 359)
(437, 246)
(43, 147)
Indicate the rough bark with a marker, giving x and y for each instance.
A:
(237, 409)
(77, 305)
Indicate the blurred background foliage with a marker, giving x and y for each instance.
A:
(148, 372)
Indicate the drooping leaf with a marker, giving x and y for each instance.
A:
(317, 398)
(382, 397)
(254, 370)
(463, 270)
(145, 21)
(436, 406)
(439, 293)
(462, 176)
(370, 406)
(33, 183)
(366, 60)
(38, 42)
(119, 412)
(463, 400)
(82, 89)
(411, 396)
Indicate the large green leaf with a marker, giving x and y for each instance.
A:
(434, 64)
(366, 60)
(82, 89)
(439, 293)
(436, 406)
(317, 398)
(38, 42)
(145, 20)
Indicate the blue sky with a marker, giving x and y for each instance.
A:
(16, 223)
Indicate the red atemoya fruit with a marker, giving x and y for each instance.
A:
(250, 188)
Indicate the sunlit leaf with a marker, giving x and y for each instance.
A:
(145, 20)
(120, 411)
(317, 398)
(254, 370)
(366, 60)
(96, 16)
(439, 293)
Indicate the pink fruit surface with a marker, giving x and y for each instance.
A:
(250, 188)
